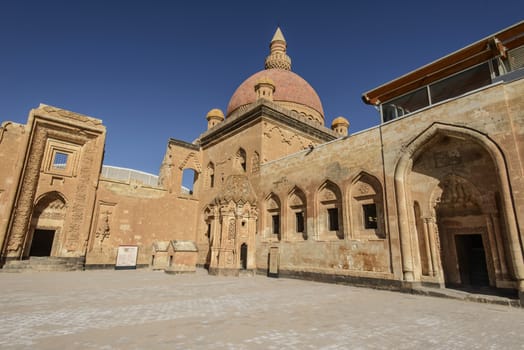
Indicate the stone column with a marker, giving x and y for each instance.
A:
(403, 222)
(428, 245)
(433, 244)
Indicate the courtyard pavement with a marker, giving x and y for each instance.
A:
(153, 310)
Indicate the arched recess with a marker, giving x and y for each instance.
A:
(329, 212)
(241, 160)
(273, 217)
(446, 160)
(296, 215)
(210, 183)
(46, 234)
(367, 207)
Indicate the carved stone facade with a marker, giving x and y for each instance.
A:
(434, 198)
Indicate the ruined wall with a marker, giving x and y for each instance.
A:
(63, 159)
(131, 213)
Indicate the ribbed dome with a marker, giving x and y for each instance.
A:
(289, 87)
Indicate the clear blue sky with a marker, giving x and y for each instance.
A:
(151, 70)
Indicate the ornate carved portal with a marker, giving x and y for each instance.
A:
(232, 221)
(457, 216)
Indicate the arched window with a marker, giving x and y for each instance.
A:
(296, 215)
(367, 214)
(330, 212)
(241, 159)
(273, 217)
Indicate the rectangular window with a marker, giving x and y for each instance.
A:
(208, 233)
(299, 221)
(461, 83)
(370, 215)
(60, 160)
(276, 223)
(212, 180)
(333, 219)
(406, 104)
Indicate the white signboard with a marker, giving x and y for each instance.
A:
(126, 257)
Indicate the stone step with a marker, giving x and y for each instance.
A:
(44, 264)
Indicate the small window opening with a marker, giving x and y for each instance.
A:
(242, 158)
(370, 215)
(299, 221)
(189, 177)
(276, 223)
(60, 160)
(333, 219)
(212, 180)
(208, 232)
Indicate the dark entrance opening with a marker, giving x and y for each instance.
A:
(472, 260)
(243, 256)
(42, 242)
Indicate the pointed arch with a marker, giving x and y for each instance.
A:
(273, 216)
(404, 166)
(367, 206)
(46, 227)
(330, 221)
(241, 159)
(296, 214)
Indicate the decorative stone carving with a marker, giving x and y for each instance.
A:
(27, 194)
(255, 163)
(295, 201)
(231, 230)
(191, 159)
(327, 195)
(237, 189)
(447, 158)
(80, 199)
(57, 112)
(104, 229)
(458, 198)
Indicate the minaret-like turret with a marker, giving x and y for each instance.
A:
(341, 126)
(278, 59)
(265, 88)
(214, 117)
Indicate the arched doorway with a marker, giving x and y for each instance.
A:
(467, 260)
(243, 256)
(46, 226)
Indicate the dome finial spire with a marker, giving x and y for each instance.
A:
(278, 59)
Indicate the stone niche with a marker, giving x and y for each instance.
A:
(182, 257)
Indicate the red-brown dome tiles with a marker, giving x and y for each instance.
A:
(289, 87)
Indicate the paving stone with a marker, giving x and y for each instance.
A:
(153, 310)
